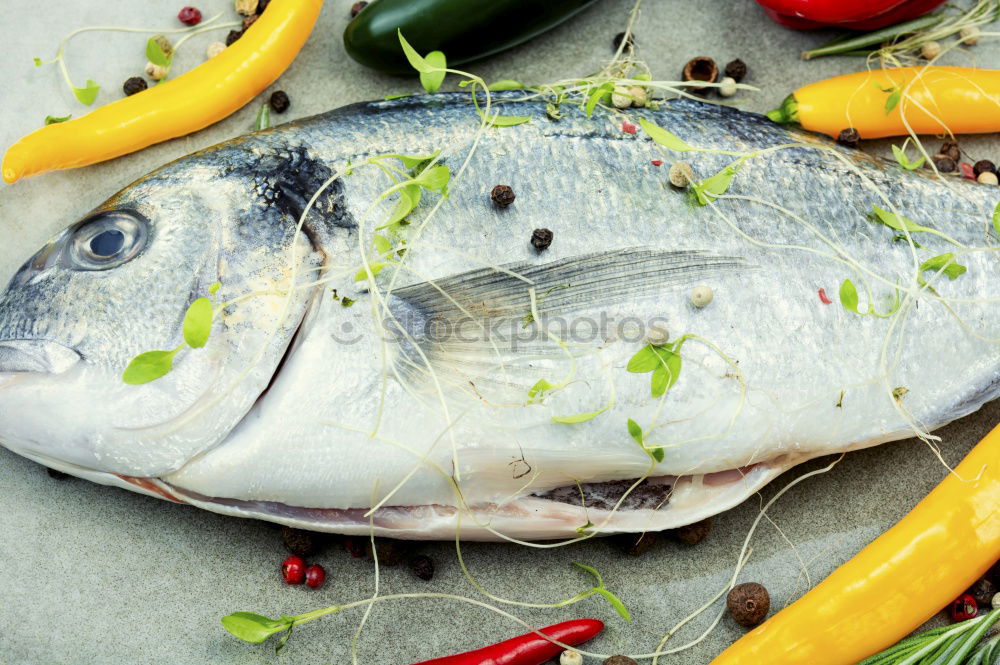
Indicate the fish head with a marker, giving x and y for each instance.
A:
(117, 284)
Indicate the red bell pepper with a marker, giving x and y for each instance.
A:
(848, 14)
(530, 649)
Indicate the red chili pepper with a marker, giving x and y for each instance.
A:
(849, 14)
(963, 608)
(529, 649)
(823, 298)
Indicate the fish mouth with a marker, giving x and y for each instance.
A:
(37, 356)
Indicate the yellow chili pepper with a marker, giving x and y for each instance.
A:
(192, 101)
(896, 583)
(931, 100)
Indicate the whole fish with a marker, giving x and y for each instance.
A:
(438, 371)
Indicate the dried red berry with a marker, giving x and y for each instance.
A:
(355, 546)
(315, 576)
(657, 162)
(823, 298)
(293, 570)
(628, 128)
(189, 16)
(967, 171)
(963, 608)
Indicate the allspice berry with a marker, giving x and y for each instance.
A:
(692, 534)
(849, 138)
(736, 70)
(701, 68)
(619, 660)
(944, 164)
(748, 604)
(298, 542)
(617, 41)
(390, 552)
(680, 174)
(983, 591)
(983, 165)
(502, 195)
(950, 149)
(635, 544)
(423, 567)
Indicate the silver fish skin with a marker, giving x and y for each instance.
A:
(423, 399)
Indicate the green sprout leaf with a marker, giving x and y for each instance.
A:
(149, 366)
(944, 264)
(663, 361)
(663, 137)
(432, 80)
(600, 589)
(600, 93)
(539, 389)
(904, 161)
(198, 323)
(711, 188)
(578, 418)
(506, 84)
(264, 117)
(892, 100)
(849, 296)
(900, 223)
(38, 62)
(996, 219)
(375, 268)
(155, 53)
(582, 530)
(389, 98)
(51, 120)
(253, 628)
(214, 288)
(382, 244)
(418, 63)
(434, 179)
(635, 431)
(508, 120)
(87, 94)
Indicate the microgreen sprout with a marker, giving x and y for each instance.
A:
(51, 120)
(635, 431)
(263, 117)
(197, 327)
(849, 299)
(900, 223)
(903, 160)
(663, 361)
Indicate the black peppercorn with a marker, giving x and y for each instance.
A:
(502, 195)
(423, 567)
(983, 591)
(390, 552)
(280, 101)
(950, 149)
(849, 137)
(57, 475)
(617, 41)
(233, 36)
(944, 164)
(983, 165)
(298, 542)
(134, 85)
(701, 68)
(748, 604)
(357, 7)
(692, 534)
(637, 544)
(736, 70)
(619, 660)
(249, 20)
(541, 239)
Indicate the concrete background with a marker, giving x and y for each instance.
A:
(90, 574)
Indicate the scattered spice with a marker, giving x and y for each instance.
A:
(692, 534)
(423, 567)
(570, 657)
(355, 546)
(134, 84)
(214, 49)
(357, 7)
(502, 195)
(899, 391)
(189, 16)
(681, 175)
(298, 542)
(293, 570)
(823, 298)
(748, 604)
(727, 86)
(701, 296)
(982, 591)
(233, 36)
(620, 98)
(246, 7)
(315, 576)
(657, 162)
(656, 336)
(701, 68)
(983, 165)
(628, 128)
(970, 35)
(950, 149)
(156, 72)
(619, 660)
(617, 41)
(165, 45)
(541, 239)
(963, 608)
(930, 50)
(639, 95)
(279, 101)
(736, 70)
(347, 302)
(55, 474)
(637, 545)
(250, 20)
(390, 552)
(849, 138)
(967, 172)
(988, 178)
(944, 164)
(261, 6)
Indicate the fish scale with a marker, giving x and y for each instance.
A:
(306, 412)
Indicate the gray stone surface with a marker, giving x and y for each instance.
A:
(90, 574)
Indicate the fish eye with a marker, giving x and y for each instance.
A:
(107, 240)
